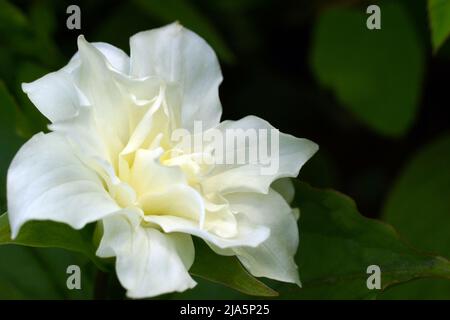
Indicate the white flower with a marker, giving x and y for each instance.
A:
(109, 157)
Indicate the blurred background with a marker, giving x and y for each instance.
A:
(376, 102)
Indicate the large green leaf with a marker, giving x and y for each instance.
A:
(439, 15)
(227, 271)
(419, 207)
(338, 244)
(376, 74)
(32, 273)
(47, 234)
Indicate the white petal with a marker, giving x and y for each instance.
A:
(149, 175)
(248, 177)
(95, 152)
(47, 181)
(91, 141)
(148, 262)
(83, 133)
(56, 95)
(248, 234)
(153, 125)
(274, 258)
(177, 200)
(110, 103)
(178, 55)
(118, 230)
(220, 220)
(118, 59)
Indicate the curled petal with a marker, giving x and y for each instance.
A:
(178, 55)
(249, 177)
(178, 200)
(247, 234)
(148, 262)
(110, 104)
(47, 181)
(149, 175)
(274, 258)
(56, 94)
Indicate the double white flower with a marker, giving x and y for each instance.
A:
(109, 158)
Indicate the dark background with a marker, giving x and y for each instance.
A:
(266, 51)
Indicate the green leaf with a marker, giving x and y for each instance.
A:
(168, 11)
(207, 290)
(32, 273)
(46, 234)
(419, 208)
(439, 15)
(227, 271)
(337, 244)
(376, 74)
